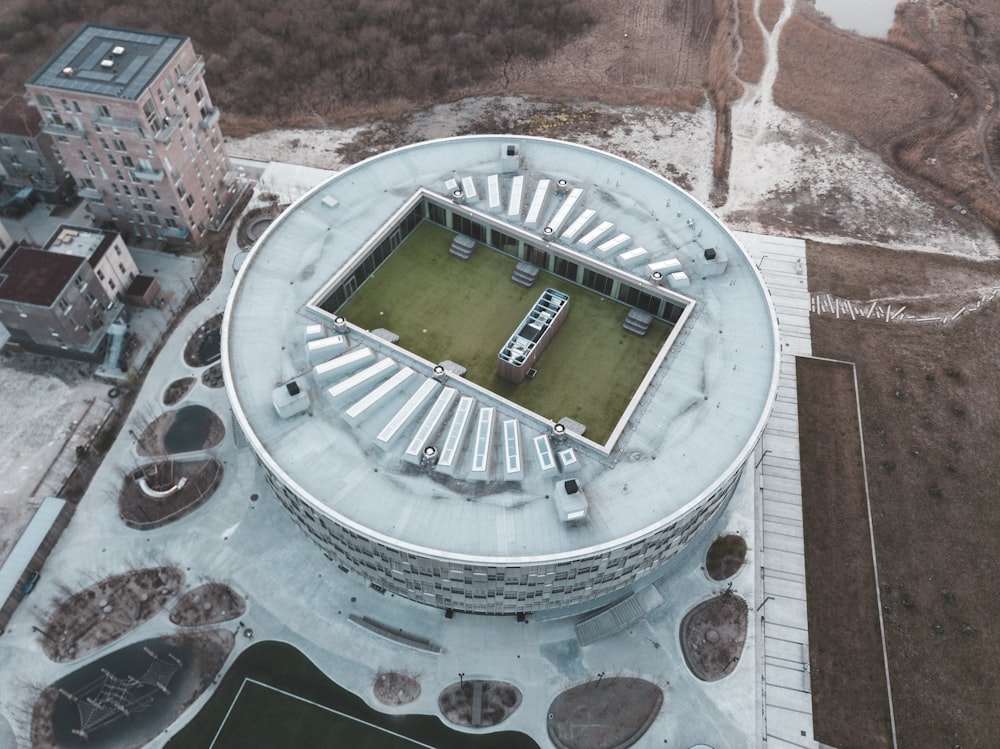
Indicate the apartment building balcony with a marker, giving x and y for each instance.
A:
(154, 175)
(90, 193)
(168, 231)
(57, 131)
(193, 74)
(116, 124)
(210, 120)
(167, 131)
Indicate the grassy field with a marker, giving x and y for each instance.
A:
(267, 718)
(465, 310)
(293, 704)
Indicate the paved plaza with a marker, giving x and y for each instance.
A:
(243, 537)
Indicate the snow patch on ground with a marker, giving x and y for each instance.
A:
(789, 175)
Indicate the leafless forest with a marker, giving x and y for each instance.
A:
(313, 58)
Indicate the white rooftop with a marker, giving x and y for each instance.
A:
(77, 241)
(701, 412)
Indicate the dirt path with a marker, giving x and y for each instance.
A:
(755, 114)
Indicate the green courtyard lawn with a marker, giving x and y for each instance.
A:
(442, 308)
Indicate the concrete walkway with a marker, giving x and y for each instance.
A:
(785, 716)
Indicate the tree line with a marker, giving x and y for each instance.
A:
(266, 59)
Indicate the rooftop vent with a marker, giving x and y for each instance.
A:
(511, 150)
(118, 51)
(656, 277)
(68, 71)
(289, 400)
(107, 63)
(710, 253)
(562, 187)
(547, 232)
(458, 196)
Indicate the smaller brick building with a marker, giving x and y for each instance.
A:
(135, 125)
(28, 155)
(63, 297)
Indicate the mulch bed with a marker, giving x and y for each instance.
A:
(211, 603)
(712, 636)
(609, 713)
(394, 688)
(212, 377)
(138, 510)
(203, 342)
(499, 700)
(106, 610)
(177, 389)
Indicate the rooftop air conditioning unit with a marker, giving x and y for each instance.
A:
(107, 63)
(118, 51)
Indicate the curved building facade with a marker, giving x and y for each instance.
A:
(427, 482)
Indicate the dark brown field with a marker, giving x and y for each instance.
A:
(930, 413)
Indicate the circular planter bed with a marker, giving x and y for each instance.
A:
(204, 346)
(393, 688)
(159, 493)
(212, 377)
(108, 609)
(177, 389)
(712, 636)
(725, 556)
(211, 603)
(186, 429)
(498, 700)
(608, 713)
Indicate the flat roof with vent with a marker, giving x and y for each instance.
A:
(108, 61)
(488, 494)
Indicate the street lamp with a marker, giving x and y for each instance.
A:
(461, 679)
(599, 677)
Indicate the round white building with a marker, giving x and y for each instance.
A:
(434, 487)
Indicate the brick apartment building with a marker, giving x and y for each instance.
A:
(28, 155)
(63, 297)
(135, 126)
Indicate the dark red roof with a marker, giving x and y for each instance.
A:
(140, 285)
(18, 117)
(36, 277)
